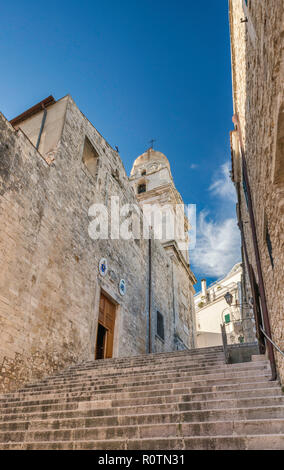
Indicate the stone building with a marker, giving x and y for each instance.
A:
(65, 295)
(257, 47)
(153, 184)
(212, 310)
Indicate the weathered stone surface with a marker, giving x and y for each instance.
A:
(258, 92)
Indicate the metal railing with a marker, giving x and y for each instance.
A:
(272, 342)
(225, 344)
(238, 336)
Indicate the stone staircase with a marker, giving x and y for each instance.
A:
(174, 401)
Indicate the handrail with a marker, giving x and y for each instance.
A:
(225, 343)
(272, 342)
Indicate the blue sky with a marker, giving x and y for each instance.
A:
(138, 70)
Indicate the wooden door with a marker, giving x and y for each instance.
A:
(107, 320)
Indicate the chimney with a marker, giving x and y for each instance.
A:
(204, 288)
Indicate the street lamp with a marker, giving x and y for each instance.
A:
(229, 298)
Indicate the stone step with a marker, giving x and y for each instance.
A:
(160, 384)
(259, 358)
(123, 370)
(90, 382)
(129, 375)
(132, 368)
(144, 426)
(84, 402)
(170, 430)
(155, 356)
(169, 373)
(154, 399)
(60, 380)
(112, 363)
(153, 410)
(174, 401)
(157, 397)
(252, 442)
(159, 372)
(88, 395)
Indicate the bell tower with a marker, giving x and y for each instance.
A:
(152, 181)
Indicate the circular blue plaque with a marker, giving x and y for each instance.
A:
(103, 268)
(122, 287)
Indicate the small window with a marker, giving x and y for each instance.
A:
(269, 244)
(142, 188)
(278, 176)
(143, 173)
(245, 189)
(160, 326)
(90, 157)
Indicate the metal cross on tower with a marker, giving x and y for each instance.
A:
(152, 143)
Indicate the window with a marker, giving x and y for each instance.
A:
(90, 157)
(160, 326)
(267, 239)
(141, 188)
(245, 189)
(268, 242)
(227, 318)
(269, 246)
(143, 173)
(278, 170)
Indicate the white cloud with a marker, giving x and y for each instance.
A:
(218, 241)
(193, 166)
(217, 248)
(223, 186)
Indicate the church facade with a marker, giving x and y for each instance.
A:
(72, 288)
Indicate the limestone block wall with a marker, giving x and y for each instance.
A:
(185, 311)
(162, 282)
(258, 81)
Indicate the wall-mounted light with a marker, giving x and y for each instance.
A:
(229, 298)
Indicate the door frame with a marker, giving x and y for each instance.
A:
(105, 340)
(113, 298)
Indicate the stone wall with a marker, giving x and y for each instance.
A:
(50, 285)
(258, 91)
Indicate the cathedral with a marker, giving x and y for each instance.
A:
(71, 287)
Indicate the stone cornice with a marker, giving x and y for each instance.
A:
(173, 244)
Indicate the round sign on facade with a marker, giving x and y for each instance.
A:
(122, 287)
(103, 267)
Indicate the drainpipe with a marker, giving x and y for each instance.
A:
(204, 289)
(42, 125)
(257, 255)
(258, 321)
(150, 296)
(174, 300)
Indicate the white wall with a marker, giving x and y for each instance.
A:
(211, 315)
